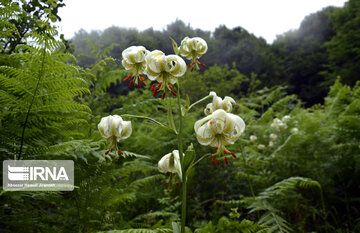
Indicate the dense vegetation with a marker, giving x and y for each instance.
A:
(303, 180)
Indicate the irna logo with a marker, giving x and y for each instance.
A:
(36, 173)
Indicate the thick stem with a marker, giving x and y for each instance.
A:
(184, 178)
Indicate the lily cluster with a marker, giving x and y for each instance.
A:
(278, 127)
(220, 127)
(164, 69)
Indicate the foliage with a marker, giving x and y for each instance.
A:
(19, 18)
(304, 181)
(38, 91)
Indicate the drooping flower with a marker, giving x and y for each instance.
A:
(278, 124)
(170, 163)
(253, 138)
(165, 70)
(261, 147)
(219, 103)
(286, 118)
(219, 130)
(294, 130)
(113, 129)
(273, 137)
(192, 49)
(271, 144)
(134, 61)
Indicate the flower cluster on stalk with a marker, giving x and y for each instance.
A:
(220, 128)
(278, 129)
(164, 69)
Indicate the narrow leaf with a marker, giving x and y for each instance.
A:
(175, 47)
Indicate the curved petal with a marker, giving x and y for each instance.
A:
(126, 130)
(103, 127)
(208, 110)
(217, 102)
(175, 65)
(177, 164)
(127, 65)
(199, 123)
(218, 121)
(163, 164)
(227, 103)
(204, 135)
(203, 132)
(116, 126)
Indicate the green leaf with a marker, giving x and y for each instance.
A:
(189, 157)
(176, 227)
(186, 108)
(175, 47)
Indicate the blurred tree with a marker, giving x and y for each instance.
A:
(304, 57)
(344, 47)
(18, 18)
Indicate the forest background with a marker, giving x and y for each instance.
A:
(54, 92)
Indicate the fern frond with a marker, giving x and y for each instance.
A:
(139, 231)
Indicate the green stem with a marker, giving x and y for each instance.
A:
(184, 178)
(199, 101)
(151, 119)
(40, 74)
(203, 157)
(245, 166)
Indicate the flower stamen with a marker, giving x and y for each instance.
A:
(233, 154)
(127, 78)
(154, 93)
(152, 87)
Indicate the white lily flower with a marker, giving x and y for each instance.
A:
(278, 124)
(294, 130)
(193, 48)
(261, 147)
(113, 129)
(273, 137)
(219, 103)
(286, 118)
(271, 144)
(134, 61)
(275, 124)
(164, 69)
(219, 130)
(253, 138)
(170, 163)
